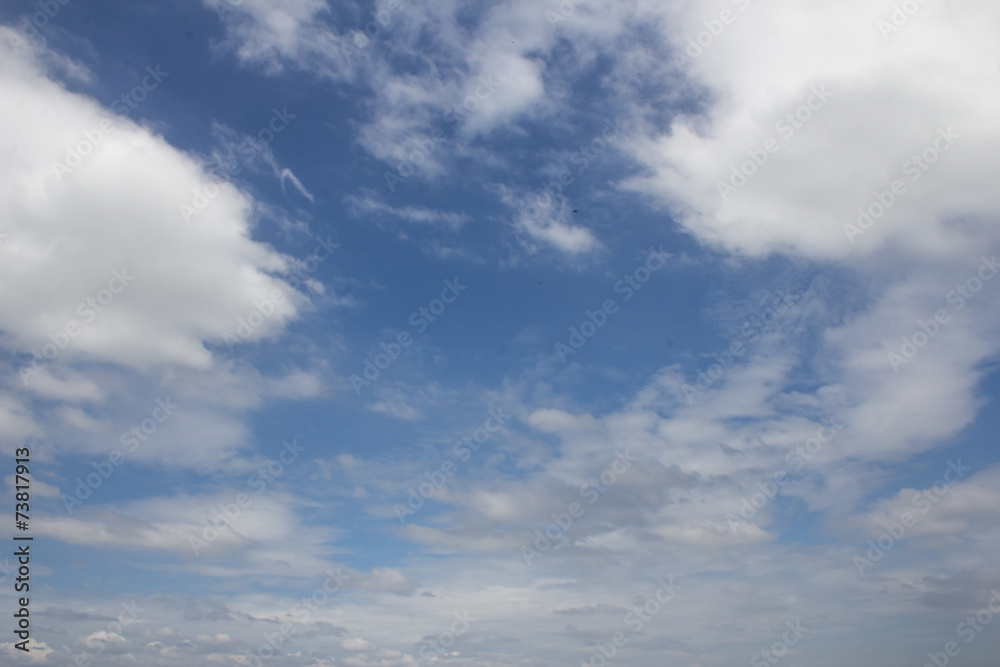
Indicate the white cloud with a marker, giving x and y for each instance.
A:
(889, 99)
(262, 30)
(555, 421)
(79, 419)
(110, 231)
(297, 384)
(356, 644)
(253, 537)
(119, 298)
(415, 214)
(395, 409)
(543, 220)
(38, 655)
(75, 388)
(16, 422)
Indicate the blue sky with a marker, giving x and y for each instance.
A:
(481, 326)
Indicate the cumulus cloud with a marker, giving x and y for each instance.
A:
(120, 293)
(96, 249)
(833, 129)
